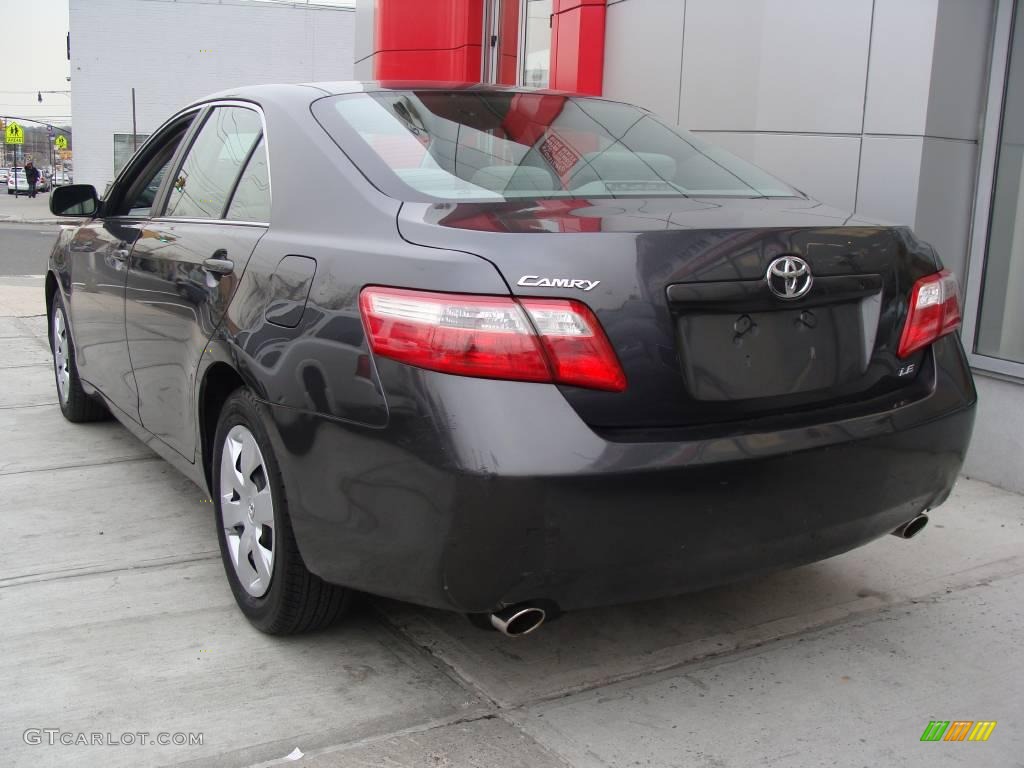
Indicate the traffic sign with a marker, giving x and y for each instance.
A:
(14, 134)
(61, 142)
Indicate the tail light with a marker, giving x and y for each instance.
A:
(494, 337)
(934, 312)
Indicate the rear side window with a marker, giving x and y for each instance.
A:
(251, 201)
(204, 182)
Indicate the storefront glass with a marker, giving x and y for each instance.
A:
(537, 44)
(1000, 330)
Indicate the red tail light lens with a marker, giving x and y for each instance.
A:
(576, 347)
(495, 337)
(934, 312)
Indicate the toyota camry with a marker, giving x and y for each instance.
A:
(501, 351)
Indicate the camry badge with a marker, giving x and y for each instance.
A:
(535, 281)
(789, 277)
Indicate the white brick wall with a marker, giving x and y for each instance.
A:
(175, 51)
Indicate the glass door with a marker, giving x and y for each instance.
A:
(536, 69)
(517, 42)
(1000, 325)
(501, 41)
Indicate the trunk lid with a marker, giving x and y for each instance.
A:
(679, 285)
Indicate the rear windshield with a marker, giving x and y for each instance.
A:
(466, 145)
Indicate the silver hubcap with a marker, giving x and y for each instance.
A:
(247, 510)
(61, 355)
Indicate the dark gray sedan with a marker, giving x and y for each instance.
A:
(502, 352)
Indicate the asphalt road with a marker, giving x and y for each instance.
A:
(24, 248)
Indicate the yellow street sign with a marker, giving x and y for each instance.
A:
(14, 134)
(61, 142)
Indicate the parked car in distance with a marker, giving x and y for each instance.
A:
(16, 181)
(61, 178)
(4, 173)
(501, 351)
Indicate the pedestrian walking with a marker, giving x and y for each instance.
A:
(31, 176)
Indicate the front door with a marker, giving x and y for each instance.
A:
(99, 257)
(186, 265)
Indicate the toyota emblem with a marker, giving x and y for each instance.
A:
(789, 277)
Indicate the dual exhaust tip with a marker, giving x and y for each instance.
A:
(912, 527)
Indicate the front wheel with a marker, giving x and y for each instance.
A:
(270, 582)
(75, 404)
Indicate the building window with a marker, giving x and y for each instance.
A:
(1000, 328)
(537, 44)
(124, 148)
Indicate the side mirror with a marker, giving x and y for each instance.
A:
(74, 200)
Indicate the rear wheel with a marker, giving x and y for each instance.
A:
(75, 404)
(270, 582)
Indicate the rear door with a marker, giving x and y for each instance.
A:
(187, 262)
(98, 257)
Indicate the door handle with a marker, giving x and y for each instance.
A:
(219, 264)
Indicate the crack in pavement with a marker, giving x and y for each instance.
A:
(41, 577)
(85, 464)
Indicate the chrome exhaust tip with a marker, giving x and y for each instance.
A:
(518, 620)
(912, 527)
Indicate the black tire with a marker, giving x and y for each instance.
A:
(296, 600)
(75, 404)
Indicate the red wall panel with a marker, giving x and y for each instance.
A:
(437, 24)
(460, 65)
(442, 40)
(438, 40)
(577, 46)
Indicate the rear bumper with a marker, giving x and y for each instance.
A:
(481, 493)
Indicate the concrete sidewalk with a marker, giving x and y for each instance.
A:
(115, 618)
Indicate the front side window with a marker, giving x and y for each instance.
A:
(125, 146)
(204, 182)
(139, 201)
(137, 192)
(466, 145)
